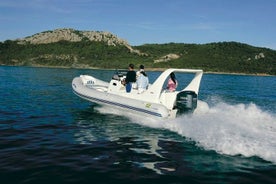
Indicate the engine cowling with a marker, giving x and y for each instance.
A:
(186, 102)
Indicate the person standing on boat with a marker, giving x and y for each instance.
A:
(142, 82)
(130, 78)
(172, 82)
(138, 73)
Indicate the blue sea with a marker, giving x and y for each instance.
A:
(49, 135)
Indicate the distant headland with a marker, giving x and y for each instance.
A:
(98, 49)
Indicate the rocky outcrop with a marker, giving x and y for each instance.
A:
(76, 36)
(167, 58)
(259, 56)
(72, 36)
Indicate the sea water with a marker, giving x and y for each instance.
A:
(49, 135)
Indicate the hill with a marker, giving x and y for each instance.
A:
(84, 49)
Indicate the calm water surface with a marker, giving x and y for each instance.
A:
(49, 135)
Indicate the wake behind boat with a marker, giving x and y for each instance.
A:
(155, 101)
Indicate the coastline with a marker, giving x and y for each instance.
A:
(147, 69)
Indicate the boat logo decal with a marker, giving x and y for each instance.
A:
(90, 82)
(148, 105)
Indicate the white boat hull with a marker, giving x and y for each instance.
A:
(155, 101)
(124, 103)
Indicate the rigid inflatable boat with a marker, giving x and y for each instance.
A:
(156, 101)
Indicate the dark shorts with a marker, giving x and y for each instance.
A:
(128, 87)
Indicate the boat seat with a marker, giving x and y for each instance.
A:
(116, 77)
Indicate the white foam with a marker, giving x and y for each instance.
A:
(227, 129)
(231, 129)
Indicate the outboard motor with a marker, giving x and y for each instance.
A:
(186, 102)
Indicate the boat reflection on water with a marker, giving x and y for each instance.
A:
(144, 151)
(153, 149)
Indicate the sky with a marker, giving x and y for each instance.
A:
(146, 21)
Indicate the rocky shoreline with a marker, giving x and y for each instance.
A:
(147, 69)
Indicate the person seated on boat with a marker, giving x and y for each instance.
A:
(142, 82)
(172, 82)
(130, 78)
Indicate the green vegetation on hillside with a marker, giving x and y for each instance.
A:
(214, 57)
(64, 53)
